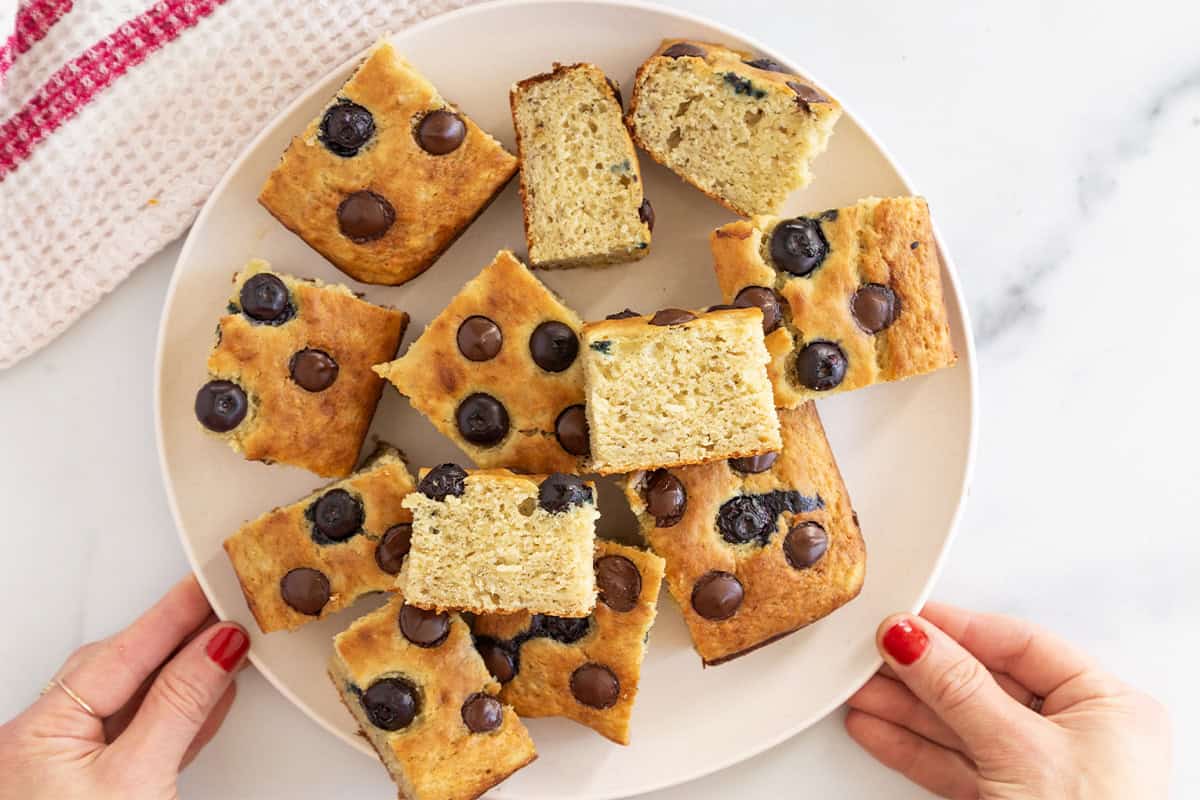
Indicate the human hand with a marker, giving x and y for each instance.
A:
(159, 691)
(984, 706)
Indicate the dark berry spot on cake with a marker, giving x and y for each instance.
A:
(752, 465)
(628, 313)
(482, 419)
(345, 128)
(264, 298)
(313, 370)
(221, 406)
(553, 346)
(391, 703)
(422, 627)
(717, 595)
(914, 245)
(768, 64)
(571, 430)
(745, 518)
(764, 299)
(874, 307)
(445, 480)
(671, 316)
(805, 544)
(393, 547)
(305, 590)
(681, 49)
(603, 346)
(743, 86)
(566, 630)
(646, 215)
(806, 94)
(482, 713)
(616, 90)
(479, 338)
(335, 516)
(619, 582)
(821, 365)
(798, 245)
(441, 132)
(365, 216)
(559, 492)
(498, 659)
(595, 686)
(666, 498)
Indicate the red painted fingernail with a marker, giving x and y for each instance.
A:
(227, 647)
(905, 642)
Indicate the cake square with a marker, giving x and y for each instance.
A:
(585, 669)
(581, 186)
(318, 555)
(290, 378)
(851, 296)
(388, 176)
(742, 130)
(497, 371)
(756, 548)
(677, 387)
(424, 700)
(491, 541)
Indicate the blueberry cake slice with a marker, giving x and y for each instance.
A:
(850, 297)
(756, 548)
(318, 555)
(491, 541)
(290, 376)
(677, 387)
(585, 669)
(581, 187)
(426, 703)
(498, 372)
(388, 176)
(742, 130)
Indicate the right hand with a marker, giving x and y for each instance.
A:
(953, 710)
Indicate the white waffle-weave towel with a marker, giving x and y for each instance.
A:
(117, 117)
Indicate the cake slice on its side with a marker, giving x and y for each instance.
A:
(581, 187)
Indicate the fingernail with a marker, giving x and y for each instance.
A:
(227, 647)
(905, 642)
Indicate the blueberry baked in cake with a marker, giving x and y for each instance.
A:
(743, 130)
(424, 700)
(850, 297)
(581, 187)
(290, 375)
(755, 548)
(318, 555)
(491, 541)
(388, 176)
(585, 669)
(677, 387)
(498, 372)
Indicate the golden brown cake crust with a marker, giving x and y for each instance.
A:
(440, 758)
(617, 640)
(265, 550)
(435, 197)
(778, 598)
(437, 377)
(321, 431)
(880, 241)
(719, 58)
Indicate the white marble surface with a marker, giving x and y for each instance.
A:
(1059, 145)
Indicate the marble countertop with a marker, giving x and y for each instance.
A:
(1059, 147)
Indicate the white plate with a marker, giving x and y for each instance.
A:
(905, 449)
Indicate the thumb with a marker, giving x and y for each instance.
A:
(951, 681)
(182, 697)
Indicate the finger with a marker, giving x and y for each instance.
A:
(941, 771)
(1014, 690)
(211, 725)
(1034, 657)
(891, 701)
(948, 679)
(117, 666)
(186, 692)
